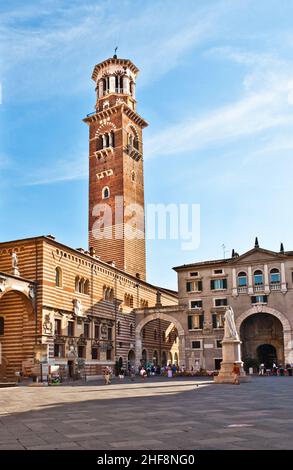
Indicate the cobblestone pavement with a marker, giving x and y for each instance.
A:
(159, 413)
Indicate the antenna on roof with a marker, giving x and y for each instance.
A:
(224, 250)
(115, 52)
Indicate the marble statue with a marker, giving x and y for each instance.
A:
(78, 308)
(14, 259)
(230, 331)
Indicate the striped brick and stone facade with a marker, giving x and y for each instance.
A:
(76, 304)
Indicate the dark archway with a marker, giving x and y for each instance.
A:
(131, 358)
(264, 331)
(267, 355)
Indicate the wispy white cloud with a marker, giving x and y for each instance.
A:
(264, 105)
(61, 43)
(63, 171)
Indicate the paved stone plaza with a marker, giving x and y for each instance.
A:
(155, 414)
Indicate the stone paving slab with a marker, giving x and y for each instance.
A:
(155, 414)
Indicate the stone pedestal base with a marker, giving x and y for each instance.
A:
(15, 272)
(231, 355)
(226, 375)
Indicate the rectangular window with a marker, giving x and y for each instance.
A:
(196, 344)
(195, 322)
(81, 351)
(219, 343)
(70, 328)
(97, 331)
(196, 304)
(221, 302)
(110, 334)
(218, 320)
(194, 274)
(218, 271)
(218, 284)
(109, 354)
(57, 327)
(58, 350)
(259, 299)
(94, 353)
(194, 286)
(86, 330)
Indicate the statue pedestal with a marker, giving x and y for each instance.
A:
(15, 272)
(231, 355)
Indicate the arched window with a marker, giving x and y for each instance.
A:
(77, 284)
(106, 192)
(131, 87)
(275, 276)
(258, 278)
(58, 277)
(119, 328)
(81, 286)
(242, 279)
(87, 287)
(131, 329)
(1, 326)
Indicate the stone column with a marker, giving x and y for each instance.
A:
(110, 139)
(234, 280)
(181, 350)
(266, 279)
(126, 84)
(250, 284)
(283, 278)
(101, 88)
(138, 351)
(112, 84)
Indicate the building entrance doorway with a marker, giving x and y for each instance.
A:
(267, 355)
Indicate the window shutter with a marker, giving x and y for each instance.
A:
(212, 284)
(201, 319)
(225, 283)
(199, 286)
(190, 322)
(214, 320)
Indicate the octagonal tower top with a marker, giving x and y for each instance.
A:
(115, 80)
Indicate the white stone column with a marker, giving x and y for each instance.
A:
(250, 284)
(234, 283)
(283, 278)
(133, 90)
(266, 279)
(104, 141)
(126, 85)
(110, 139)
(101, 88)
(112, 84)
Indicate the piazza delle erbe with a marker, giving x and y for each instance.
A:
(146, 277)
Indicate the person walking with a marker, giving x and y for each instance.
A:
(261, 369)
(236, 373)
(107, 376)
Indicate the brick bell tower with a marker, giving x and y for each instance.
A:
(116, 186)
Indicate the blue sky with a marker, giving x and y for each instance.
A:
(216, 86)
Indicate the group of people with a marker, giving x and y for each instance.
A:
(277, 370)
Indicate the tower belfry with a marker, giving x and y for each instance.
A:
(116, 186)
